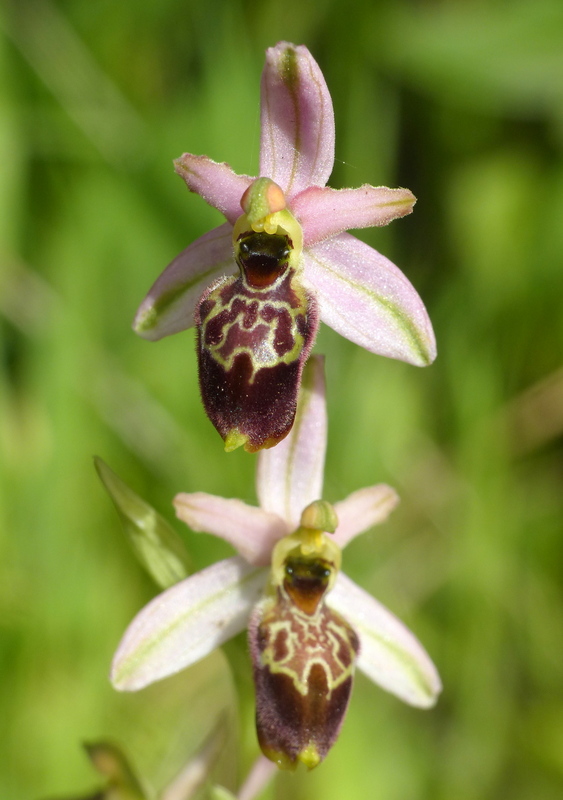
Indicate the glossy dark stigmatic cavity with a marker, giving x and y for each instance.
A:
(263, 257)
(306, 581)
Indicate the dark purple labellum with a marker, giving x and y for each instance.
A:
(255, 333)
(303, 657)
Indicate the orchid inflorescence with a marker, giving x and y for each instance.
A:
(256, 288)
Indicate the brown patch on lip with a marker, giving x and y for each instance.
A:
(251, 358)
(303, 679)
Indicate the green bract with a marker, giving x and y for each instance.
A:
(155, 543)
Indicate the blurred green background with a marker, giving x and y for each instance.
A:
(462, 102)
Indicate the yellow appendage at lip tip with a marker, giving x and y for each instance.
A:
(309, 757)
(234, 439)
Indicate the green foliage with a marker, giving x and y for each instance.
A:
(155, 543)
(462, 103)
(109, 761)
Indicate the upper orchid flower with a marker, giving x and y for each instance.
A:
(294, 262)
(309, 624)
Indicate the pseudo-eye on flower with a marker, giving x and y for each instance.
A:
(257, 286)
(309, 625)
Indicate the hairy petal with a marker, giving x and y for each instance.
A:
(297, 142)
(290, 476)
(389, 653)
(363, 509)
(367, 299)
(325, 212)
(170, 304)
(215, 182)
(251, 530)
(187, 622)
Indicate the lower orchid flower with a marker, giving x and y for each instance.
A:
(309, 625)
(257, 286)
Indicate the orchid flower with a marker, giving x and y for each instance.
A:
(284, 238)
(309, 625)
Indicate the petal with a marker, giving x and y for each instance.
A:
(170, 304)
(290, 475)
(367, 299)
(362, 510)
(187, 622)
(389, 653)
(324, 212)
(251, 530)
(216, 183)
(297, 140)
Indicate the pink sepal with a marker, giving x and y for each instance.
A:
(297, 120)
(170, 304)
(367, 299)
(186, 622)
(390, 655)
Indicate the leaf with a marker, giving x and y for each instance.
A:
(111, 762)
(155, 543)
